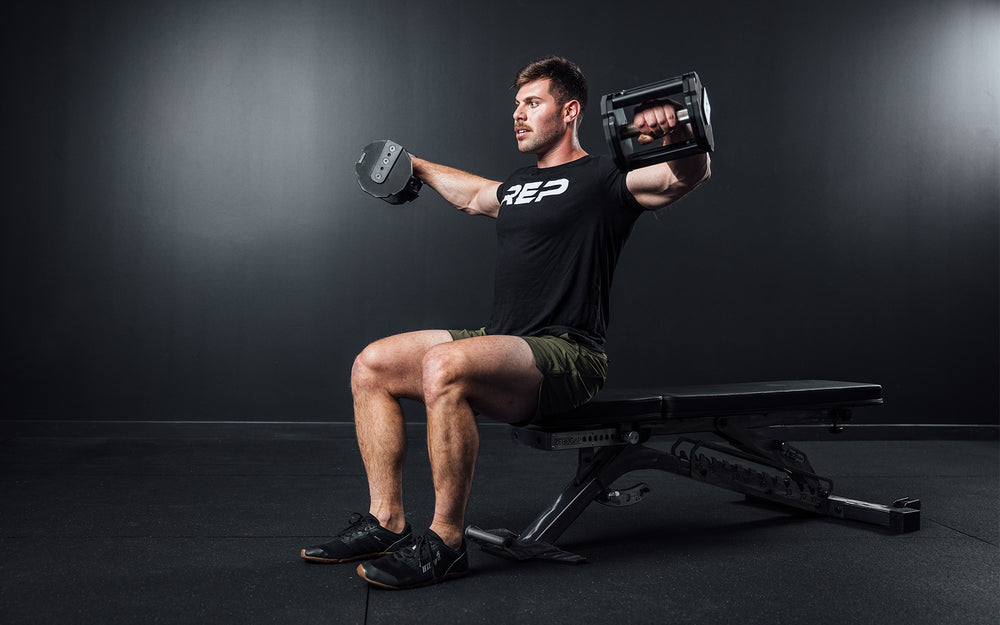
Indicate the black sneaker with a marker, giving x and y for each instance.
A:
(424, 562)
(363, 539)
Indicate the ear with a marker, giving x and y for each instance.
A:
(571, 110)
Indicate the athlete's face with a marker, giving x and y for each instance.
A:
(538, 118)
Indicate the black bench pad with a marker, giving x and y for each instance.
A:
(610, 407)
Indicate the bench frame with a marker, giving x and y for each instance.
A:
(611, 435)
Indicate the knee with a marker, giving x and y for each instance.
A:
(444, 373)
(367, 367)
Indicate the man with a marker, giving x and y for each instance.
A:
(560, 228)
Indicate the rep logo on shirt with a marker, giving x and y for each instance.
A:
(533, 191)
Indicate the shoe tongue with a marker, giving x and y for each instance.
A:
(423, 542)
(432, 534)
(437, 541)
(412, 551)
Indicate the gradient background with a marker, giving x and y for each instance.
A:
(183, 236)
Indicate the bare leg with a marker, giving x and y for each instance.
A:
(385, 372)
(494, 375)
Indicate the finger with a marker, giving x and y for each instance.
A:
(642, 123)
(662, 119)
(669, 117)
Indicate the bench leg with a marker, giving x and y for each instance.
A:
(784, 476)
(755, 466)
(597, 468)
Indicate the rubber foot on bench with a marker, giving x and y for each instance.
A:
(505, 543)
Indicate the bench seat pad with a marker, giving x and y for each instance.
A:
(612, 406)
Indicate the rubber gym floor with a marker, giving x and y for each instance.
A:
(131, 522)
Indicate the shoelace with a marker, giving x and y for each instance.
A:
(420, 549)
(357, 526)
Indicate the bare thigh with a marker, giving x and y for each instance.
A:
(497, 375)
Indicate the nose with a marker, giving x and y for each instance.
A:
(519, 112)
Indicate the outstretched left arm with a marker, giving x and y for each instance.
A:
(658, 185)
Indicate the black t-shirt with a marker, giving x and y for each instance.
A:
(560, 231)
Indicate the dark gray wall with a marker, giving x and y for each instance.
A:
(183, 237)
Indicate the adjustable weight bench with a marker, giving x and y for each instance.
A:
(611, 431)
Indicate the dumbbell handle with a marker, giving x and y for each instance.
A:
(631, 131)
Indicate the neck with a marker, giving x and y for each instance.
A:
(566, 150)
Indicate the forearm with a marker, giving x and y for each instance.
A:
(467, 192)
(691, 171)
(659, 185)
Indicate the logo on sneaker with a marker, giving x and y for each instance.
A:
(426, 567)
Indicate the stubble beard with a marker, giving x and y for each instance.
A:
(539, 139)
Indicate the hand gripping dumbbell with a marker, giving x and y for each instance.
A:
(619, 132)
(385, 171)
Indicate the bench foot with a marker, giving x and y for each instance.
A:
(505, 543)
(902, 516)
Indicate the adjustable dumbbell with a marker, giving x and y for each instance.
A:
(619, 132)
(385, 171)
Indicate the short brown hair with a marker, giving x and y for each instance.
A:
(566, 80)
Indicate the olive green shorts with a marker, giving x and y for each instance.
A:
(572, 374)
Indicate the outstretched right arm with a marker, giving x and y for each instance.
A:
(466, 192)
